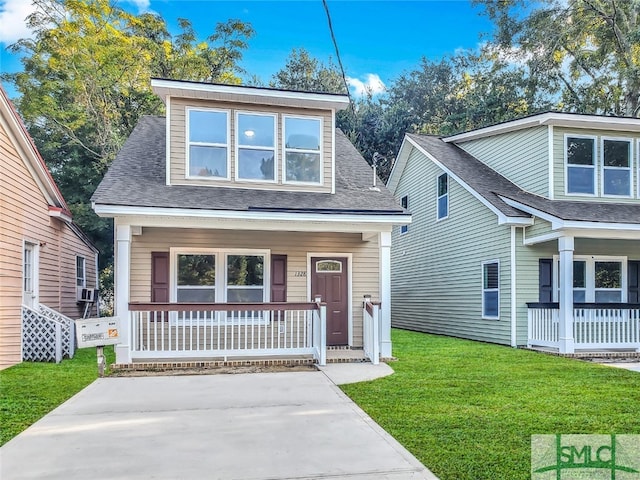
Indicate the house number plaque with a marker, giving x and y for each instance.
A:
(300, 274)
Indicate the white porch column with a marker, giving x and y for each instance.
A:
(565, 334)
(122, 256)
(384, 242)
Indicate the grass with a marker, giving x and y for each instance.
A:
(467, 410)
(30, 390)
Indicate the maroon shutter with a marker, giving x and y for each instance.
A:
(278, 278)
(160, 276)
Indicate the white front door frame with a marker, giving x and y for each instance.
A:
(31, 292)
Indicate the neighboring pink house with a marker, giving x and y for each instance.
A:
(45, 259)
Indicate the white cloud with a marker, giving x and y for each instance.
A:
(12, 20)
(141, 5)
(372, 85)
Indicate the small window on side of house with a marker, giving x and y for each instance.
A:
(405, 204)
(443, 196)
(81, 272)
(581, 165)
(491, 290)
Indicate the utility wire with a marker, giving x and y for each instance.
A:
(335, 44)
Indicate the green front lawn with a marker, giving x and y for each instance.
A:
(30, 390)
(467, 410)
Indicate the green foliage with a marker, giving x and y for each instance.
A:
(106, 291)
(31, 390)
(467, 410)
(304, 73)
(86, 83)
(585, 54)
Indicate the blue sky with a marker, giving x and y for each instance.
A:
(377, 38)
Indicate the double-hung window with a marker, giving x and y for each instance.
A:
(245, 278)
(302, 150)
(491, 290)
(580, 160)
(81, 272)
(443, 196)
(405, 205)
(595, 279)
(255, 147)
(208, 143)
(616, 167)
(196, 278)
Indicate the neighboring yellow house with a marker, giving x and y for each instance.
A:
(233, 215)
(45, 259)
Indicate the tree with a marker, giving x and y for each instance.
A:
(583, 53)
(86, 82)
(304, 73)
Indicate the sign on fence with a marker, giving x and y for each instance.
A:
(94, 332)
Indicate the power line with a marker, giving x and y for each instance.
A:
(335, 44)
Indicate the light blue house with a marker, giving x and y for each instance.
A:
(525, 233)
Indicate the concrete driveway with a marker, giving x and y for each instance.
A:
(245, 426)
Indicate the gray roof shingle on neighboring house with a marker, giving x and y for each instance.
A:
(492, 186)
(137, 178)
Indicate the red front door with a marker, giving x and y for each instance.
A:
(329, 280)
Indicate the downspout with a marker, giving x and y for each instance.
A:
(97, 286)
(514, 284)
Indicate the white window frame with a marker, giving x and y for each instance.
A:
(284, 150)
(594, 167)
(483, 290)
(188, 143)
(404, 201)
(629, 168)
(438, 197)
(84, 273)
(237, 146)
(590, 280)
(221, 272)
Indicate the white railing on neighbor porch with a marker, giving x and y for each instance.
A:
(595, 325)
(371, 330)
(223, 330)
(47, 335)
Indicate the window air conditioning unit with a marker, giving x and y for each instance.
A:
(88, 295)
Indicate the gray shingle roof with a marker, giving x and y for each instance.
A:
(137, 178)
(492, 186)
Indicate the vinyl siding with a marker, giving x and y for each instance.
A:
(296, 245)
(540, 227)
(24, 216)
(178, 145)
(520, 156)
(559, 164)
(436, 267)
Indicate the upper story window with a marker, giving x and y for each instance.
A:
(302, 151)
(405, 205)
(616, 167)
(208, 143)
(580, 160)
(443, 196)
(255, 147)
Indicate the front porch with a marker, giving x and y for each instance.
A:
(209, 333)
(593, 327)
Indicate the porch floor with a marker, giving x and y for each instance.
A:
(619, 354)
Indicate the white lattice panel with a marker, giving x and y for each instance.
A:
(68, 329)
(41, 337)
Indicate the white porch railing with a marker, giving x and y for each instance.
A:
(371, 331)
(171, 330)
(47, 335)
(595, 325)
